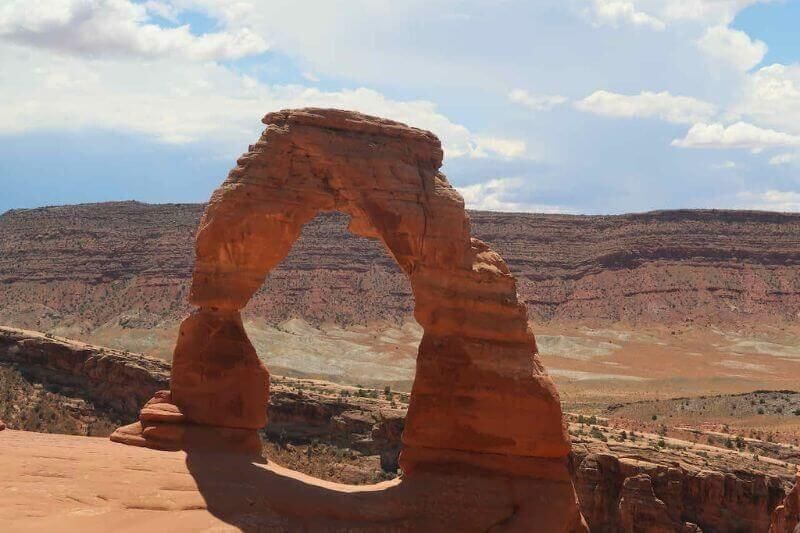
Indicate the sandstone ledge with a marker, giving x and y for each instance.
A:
(65, 483)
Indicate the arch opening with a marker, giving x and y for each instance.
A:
(337, 308)
(344, 316)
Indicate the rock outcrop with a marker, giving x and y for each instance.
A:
(64, 376)
(786, 516)
(624, 487)
(111, 379)
(481, 404)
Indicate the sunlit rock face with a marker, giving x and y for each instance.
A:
(481, 403)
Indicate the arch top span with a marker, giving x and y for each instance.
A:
(481, 399)
(384, 174)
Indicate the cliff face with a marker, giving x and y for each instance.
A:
(620, 486)
(74, 269)
(112, 380)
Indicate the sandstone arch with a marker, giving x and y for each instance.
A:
(481, 403)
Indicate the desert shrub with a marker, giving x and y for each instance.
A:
(596, 433)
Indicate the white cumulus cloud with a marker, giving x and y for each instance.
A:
(770, 96)
(784, 159)
(617, 12)
(483, 146)
(770, 200)
(738, 135)
(502, 194)
(536, 102)
(117, 27)
(663, 106)
(180, 101)
(707, 11)
(731, 46)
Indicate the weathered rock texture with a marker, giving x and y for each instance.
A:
(786, 516)
(481, 401)
(111, 379)
(624, 487)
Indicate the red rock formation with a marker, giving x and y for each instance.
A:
(481, 401)
(115, 380)
(641, 511)
(2, 425)
(786, 516)
(620, 486)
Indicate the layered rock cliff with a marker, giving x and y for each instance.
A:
(75, 269)
(624, 487)
(111, 379)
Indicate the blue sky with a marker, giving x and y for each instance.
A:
(580, 106)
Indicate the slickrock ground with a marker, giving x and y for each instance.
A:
(71, 484)
(67, 483)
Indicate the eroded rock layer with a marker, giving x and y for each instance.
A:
(96, 271)
(481, 405)
(111, 379)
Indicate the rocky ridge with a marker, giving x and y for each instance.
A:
(114, 380)
(76, 269)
